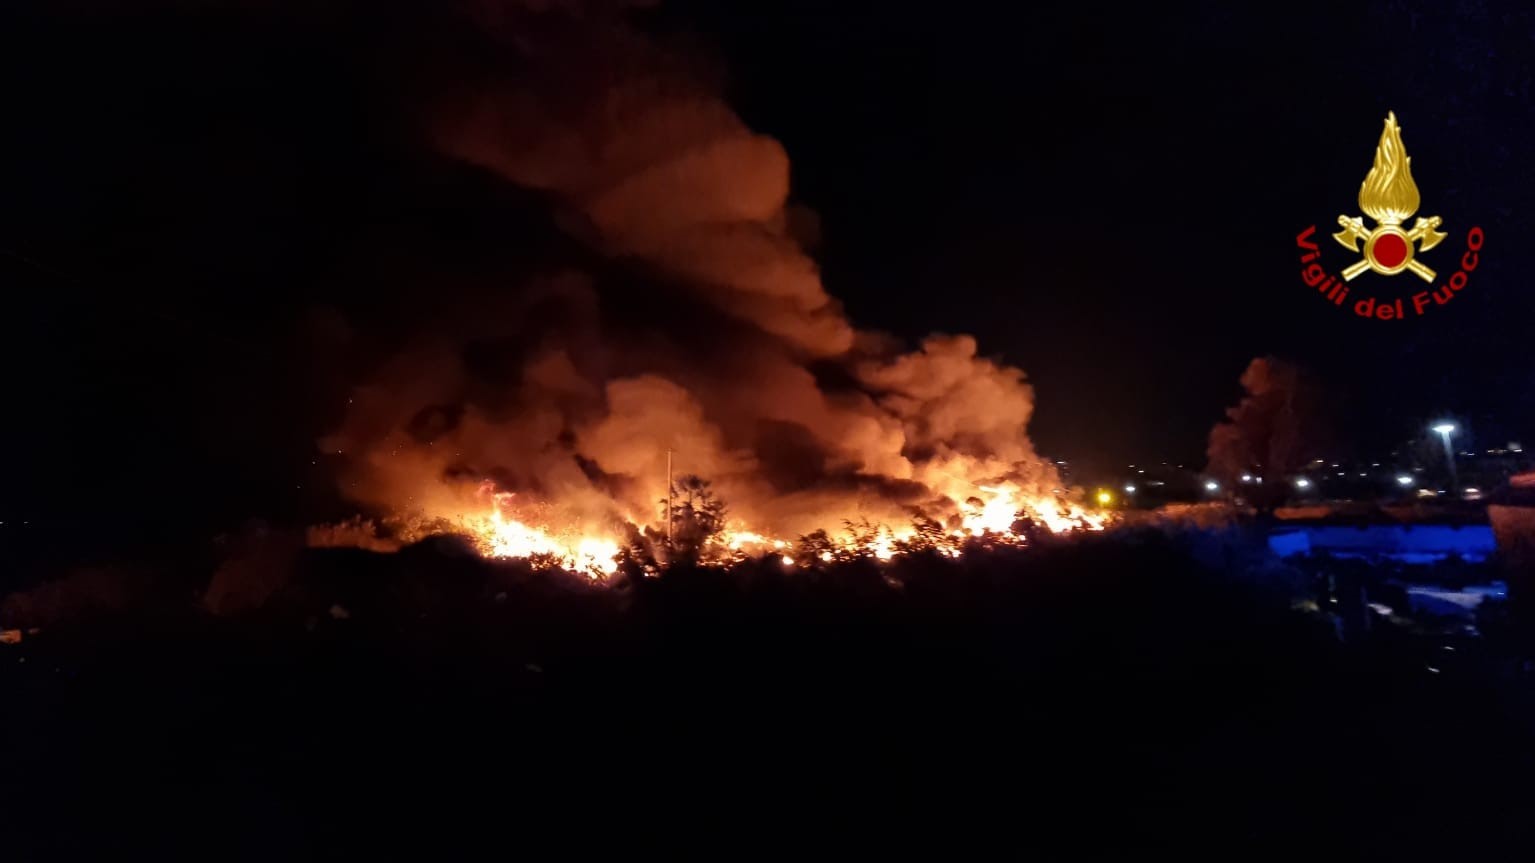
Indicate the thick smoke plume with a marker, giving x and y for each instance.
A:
(700, 325)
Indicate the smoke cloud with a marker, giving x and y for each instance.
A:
(697, 323)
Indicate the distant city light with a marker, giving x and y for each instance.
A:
(1212, 485)
(1404, 480)
(1303, 483)
(1247, 477)
(1129, 489)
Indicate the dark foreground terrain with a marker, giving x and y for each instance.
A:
(1104, 696)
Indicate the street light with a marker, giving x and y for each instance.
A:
(1404, 480)
(1446, 429)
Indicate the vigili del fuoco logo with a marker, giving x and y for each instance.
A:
(1390, 198)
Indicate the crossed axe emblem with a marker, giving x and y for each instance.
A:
(1388, 249)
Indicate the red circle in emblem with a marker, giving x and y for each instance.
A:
(1390, 250)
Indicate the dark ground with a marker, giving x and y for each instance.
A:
(1107, 696)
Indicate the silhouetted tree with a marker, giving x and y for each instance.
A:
(928, 535)
(639, 556)
(697, 517)
(1275, 429)
(815, 549)
(863, 536)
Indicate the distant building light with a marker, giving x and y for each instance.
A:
(1212, 485)
(1129, 489)
(1515, 446)
(1404, 480)
(1303, 483)
(1247, 477)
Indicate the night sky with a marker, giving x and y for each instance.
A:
(1110, 200)
(1107, 199)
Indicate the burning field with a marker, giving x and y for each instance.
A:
(498, 527)
(678, 380)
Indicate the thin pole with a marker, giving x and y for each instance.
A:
(668, 498)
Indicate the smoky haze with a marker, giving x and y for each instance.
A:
(687, 318)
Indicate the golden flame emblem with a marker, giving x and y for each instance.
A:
(1390, 197)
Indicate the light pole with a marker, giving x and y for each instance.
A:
(1446, 429)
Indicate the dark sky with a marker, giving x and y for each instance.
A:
(1109, 197)
(1106, 198)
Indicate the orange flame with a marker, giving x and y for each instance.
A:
(990, 514)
